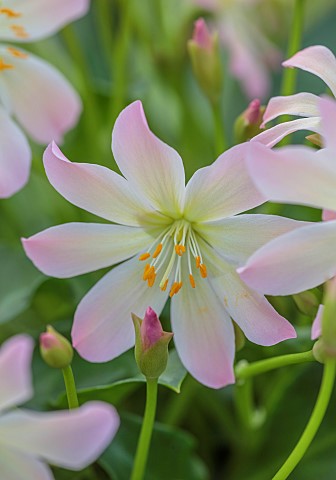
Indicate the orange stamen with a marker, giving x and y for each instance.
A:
(19, 31)
(180, 249)
(176, 287)
(16, 53)
(192, 281)
(203, 270)
(5, 66)
(151, 278)
(10, 13)
(164, 286)
(146, 270)
(144, 256)
(157, 250)
(198, 262)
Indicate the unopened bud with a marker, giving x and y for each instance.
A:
(55, 349)
(329, 316)
(307, 302)
(151, 344)
(247, 125)
(204, 53)
(239, 337)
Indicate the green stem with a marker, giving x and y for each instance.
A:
(220, 134)
(294, 44)
(70, 387)
(146, 430)
(314, 421)
(245, 370)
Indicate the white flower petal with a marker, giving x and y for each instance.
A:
(318, 60)
(41, 18)
(222, 189)
(150, 165)
(15, 156)
(294, 262)
(272, 136)
(300, 104)
(97, 189)
(71, 439)
(203, 334)
(15, 371)
(102, 327)
(236, 238)
(16, 465)
(294, 175)
(75, 248)
(47, 106)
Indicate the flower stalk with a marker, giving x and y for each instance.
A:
(70, 387)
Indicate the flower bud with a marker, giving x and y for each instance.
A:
(325, 325)
(307, 302)
(204, 53)
(240, 339)
(151, 344)
(55, 349)
(247, 125)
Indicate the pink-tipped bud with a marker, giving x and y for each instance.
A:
(204, 53)
(248, 123)
(201, 35)
(55, 349)
(151, 344)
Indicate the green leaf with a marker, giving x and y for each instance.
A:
(171, 455)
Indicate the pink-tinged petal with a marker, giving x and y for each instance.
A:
(16, 465)
(96, 189)
(201, 35)
(251, 311)
(41, 18)
(71, 439)
(151, 329)
(318, 60)
(222, 189)
(317, 324)
(150, 165)
(15, 371)
(294, 175)
(272, 136)
(300, 104)
(102, 327)
(48, 106)
(328, 215)
(15, 157)
(203, 334)
(327, 107)
(236, 238)
(293, 262)
(76, 248)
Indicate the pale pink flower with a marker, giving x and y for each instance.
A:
(29, 440)
(37, 95)
(189, 240)
(252, 54)
(318, 60)
(306, 257)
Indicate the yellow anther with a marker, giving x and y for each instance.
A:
(151, 278)
(146, 271)
(180, 249)
(16, 53)
(144, 256)
(5, 66)
(19, 31)
(157, 250)
(198, 262)
(176, 287)
(192, 281)
(203, 270)
(164, 286)
(9, 12)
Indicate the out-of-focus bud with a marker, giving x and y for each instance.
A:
(55, 349)
(307, 302)
(204, 53)
(239, 337)
(248, 123)
(151, 344)
(325, 347)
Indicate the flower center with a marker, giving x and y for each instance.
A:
(167, 250)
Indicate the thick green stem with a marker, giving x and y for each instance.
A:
(220, 134)
(146, 430)
(314, 421)
(70, 387)
(245, 370)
